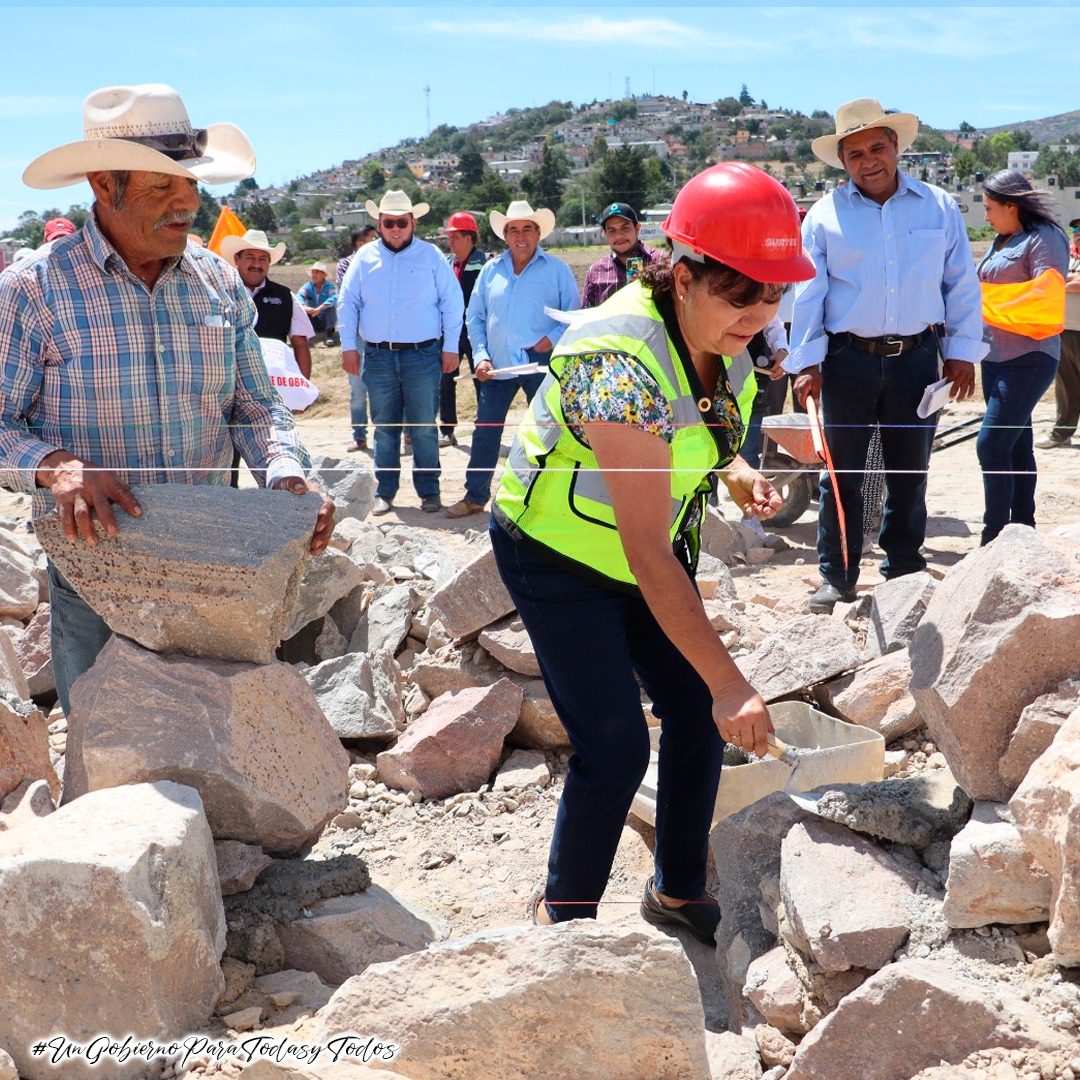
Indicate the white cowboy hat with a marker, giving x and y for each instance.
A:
(252, 240)
(146, 128)
(520, 210)
(321, 266)
(859, 115)
(396, 202)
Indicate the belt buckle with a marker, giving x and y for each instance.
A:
(894, 345)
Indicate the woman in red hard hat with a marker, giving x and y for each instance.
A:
(596, 531)
(466, 260)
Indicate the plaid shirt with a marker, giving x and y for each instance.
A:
(157, 383)
(608, 275)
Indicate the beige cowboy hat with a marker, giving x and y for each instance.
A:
(396, 202)
(145, 128)
(859, 115)
(252, 240)
(320, 266)
(520, 210)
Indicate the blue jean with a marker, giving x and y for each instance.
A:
(358, 409)
(495, 397)
(77, 635)
(581, 630)
(1005, 445)
(858, 391)
(404, 390)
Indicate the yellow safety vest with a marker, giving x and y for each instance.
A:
(554, 493)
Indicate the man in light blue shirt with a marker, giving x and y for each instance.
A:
(895, 281)
(508, 328)
(400, 297)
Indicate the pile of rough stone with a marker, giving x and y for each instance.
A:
(879, 930)
(895, 928)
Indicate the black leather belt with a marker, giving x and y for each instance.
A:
(401, 346)
(889, 345)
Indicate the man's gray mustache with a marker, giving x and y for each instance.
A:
(175, 219)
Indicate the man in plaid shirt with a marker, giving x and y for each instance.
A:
(629, 256)
(127, 356)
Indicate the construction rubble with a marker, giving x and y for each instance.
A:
(221, 843)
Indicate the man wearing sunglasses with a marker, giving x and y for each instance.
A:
(400, 297)
(127, 355)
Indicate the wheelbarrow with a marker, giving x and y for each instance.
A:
(791, 462)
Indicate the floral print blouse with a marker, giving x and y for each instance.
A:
(615, 388)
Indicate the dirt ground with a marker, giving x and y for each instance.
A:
(472, 861)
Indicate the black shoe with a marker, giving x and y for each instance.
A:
(431, 504)
(828, 596)
(700, 917)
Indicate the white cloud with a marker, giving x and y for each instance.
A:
(594, 32)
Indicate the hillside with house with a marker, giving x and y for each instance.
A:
(576, 158)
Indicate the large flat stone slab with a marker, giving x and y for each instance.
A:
(250, 738)
(206, 570)
(1000, 630)
(112, 922)
(482, 1006)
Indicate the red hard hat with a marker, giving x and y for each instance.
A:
(462, 221)
(740, 216)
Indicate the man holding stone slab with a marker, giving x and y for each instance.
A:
(128, 356)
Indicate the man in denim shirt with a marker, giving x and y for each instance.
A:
(895, 278)
(508, 327)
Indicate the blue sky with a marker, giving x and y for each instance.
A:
(315, 85)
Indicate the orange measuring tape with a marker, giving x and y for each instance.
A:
(817, 433)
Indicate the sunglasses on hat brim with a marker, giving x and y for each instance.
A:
(182, 146)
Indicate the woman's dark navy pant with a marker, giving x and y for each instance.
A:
(593, 643)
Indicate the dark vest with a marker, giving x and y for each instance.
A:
(274, 304)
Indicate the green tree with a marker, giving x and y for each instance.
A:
(623, 110)
(245, 186)
(598, 149)
(621, 177)
(729, 106)
(753, 126)
(965, 164)
(492, 193)
(544, 185)
(932, 142)
(260, 215)
(745, 100)
(820, 114)
(287, 213)
(471, 166)
(965, 127)
(207, 214)
(685, 95)
(373, 177)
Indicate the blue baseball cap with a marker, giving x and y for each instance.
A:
(618, 209)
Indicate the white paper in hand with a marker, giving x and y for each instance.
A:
(934, 398)
(515, 370)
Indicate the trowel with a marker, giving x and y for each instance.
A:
(789, 755)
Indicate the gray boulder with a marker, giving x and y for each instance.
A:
(111, 901)
(806, 651)
(482, 1006)
(1000, 630)
(350, 482)
(896, 609)
(249, 738)
(359, 695)
(205, 570)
